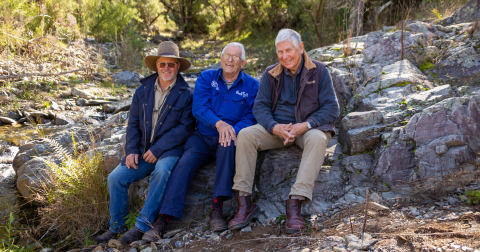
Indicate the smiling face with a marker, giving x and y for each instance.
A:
(289, 56)
(231, 67)
(167, 73)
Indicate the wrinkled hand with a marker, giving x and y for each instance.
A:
(283, 131)
(131, 161)
(299, 129)
(149, 157)
(226, 133)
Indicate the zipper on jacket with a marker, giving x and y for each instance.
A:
(298, 92)
(145, 125)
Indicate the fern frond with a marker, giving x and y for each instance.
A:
(59, 150)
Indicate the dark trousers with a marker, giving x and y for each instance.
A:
(199, 150)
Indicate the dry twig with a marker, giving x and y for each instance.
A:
(41, 74)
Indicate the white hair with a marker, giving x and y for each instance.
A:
(237, 45)
(289, 35)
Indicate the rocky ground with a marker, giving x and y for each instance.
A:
(398, 225)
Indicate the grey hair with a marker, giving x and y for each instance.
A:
(239, 45)
(289, 35)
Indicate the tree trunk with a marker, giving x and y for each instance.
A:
(356, 17)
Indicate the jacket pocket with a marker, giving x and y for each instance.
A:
(239, 107)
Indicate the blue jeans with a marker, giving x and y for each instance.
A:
(199, 150)
(120, 180)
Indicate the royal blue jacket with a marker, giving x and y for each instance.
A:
(175, 122)
(213, 101)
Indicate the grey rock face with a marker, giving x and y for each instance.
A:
(362, 139)
(359, 119)
(461, 65)
(399, 73)
(341, 81)
(421, 27)
(385, 48)
(359, 163)
(396, 161)
(467, 13)
(359, 131)
(446, 136)
(277, 176)
(431, 96)
(128, 78)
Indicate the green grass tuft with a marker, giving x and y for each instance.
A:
(426, 66)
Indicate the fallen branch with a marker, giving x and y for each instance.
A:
(41, 74)
(28, 41)
(464, 232)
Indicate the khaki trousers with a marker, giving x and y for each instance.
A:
(256, 138)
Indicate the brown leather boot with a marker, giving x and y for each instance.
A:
(295, 221)
(245, 213)
(217, 223)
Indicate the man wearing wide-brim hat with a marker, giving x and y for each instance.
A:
(159, 123)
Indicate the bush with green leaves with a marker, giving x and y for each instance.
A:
(472, 197)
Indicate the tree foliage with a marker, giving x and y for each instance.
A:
(321, 22)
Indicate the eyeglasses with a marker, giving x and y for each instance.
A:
(227, 56)
(171, 65)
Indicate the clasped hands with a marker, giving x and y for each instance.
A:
(226, 133)
(132, 159)
(288, 132)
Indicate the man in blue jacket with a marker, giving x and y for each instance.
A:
(159, 123)
(222, 103)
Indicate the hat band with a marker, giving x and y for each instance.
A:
(168, 54)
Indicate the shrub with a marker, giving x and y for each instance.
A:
(472, 197)
(74, 200)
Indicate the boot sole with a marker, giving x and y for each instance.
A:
(292, 230)
(248, 220)
(218, 229)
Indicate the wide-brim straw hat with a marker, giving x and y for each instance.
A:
(167, 49)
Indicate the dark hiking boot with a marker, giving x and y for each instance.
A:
(156, 232)
(105, 237)
(295, 222)
(134, 234)
(217, 223)
(245, 213)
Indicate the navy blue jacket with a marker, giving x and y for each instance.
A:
(213, 101)
(174, 126)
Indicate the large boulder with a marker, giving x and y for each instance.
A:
(127, 78)
(29, 165)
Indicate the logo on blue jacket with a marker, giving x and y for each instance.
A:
(215, 85)
(243, 94)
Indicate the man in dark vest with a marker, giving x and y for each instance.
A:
(296, 103)
(159, 123)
